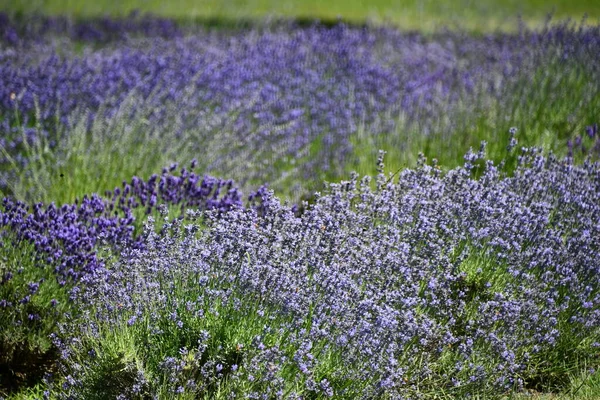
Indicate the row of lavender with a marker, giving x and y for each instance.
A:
(38, 27)
(431, 282)
(496, 276)
(284, 86)
(487, 281)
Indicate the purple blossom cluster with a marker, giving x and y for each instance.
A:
(409, 285)
(69, 236)
(289, 88)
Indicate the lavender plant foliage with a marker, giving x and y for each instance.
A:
(31, 303)
(291, 95)
(432, 280)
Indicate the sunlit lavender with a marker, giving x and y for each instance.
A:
(484, 281)
(166, 231)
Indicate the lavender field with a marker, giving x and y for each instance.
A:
(293, 209)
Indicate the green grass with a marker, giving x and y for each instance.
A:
(422, 15)
(582, 386)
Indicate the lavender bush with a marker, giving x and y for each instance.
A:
(51, 253)
(432, 282)
(67, 235)
(296, 103)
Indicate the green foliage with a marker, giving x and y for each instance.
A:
(424, 15)
(26, 351)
